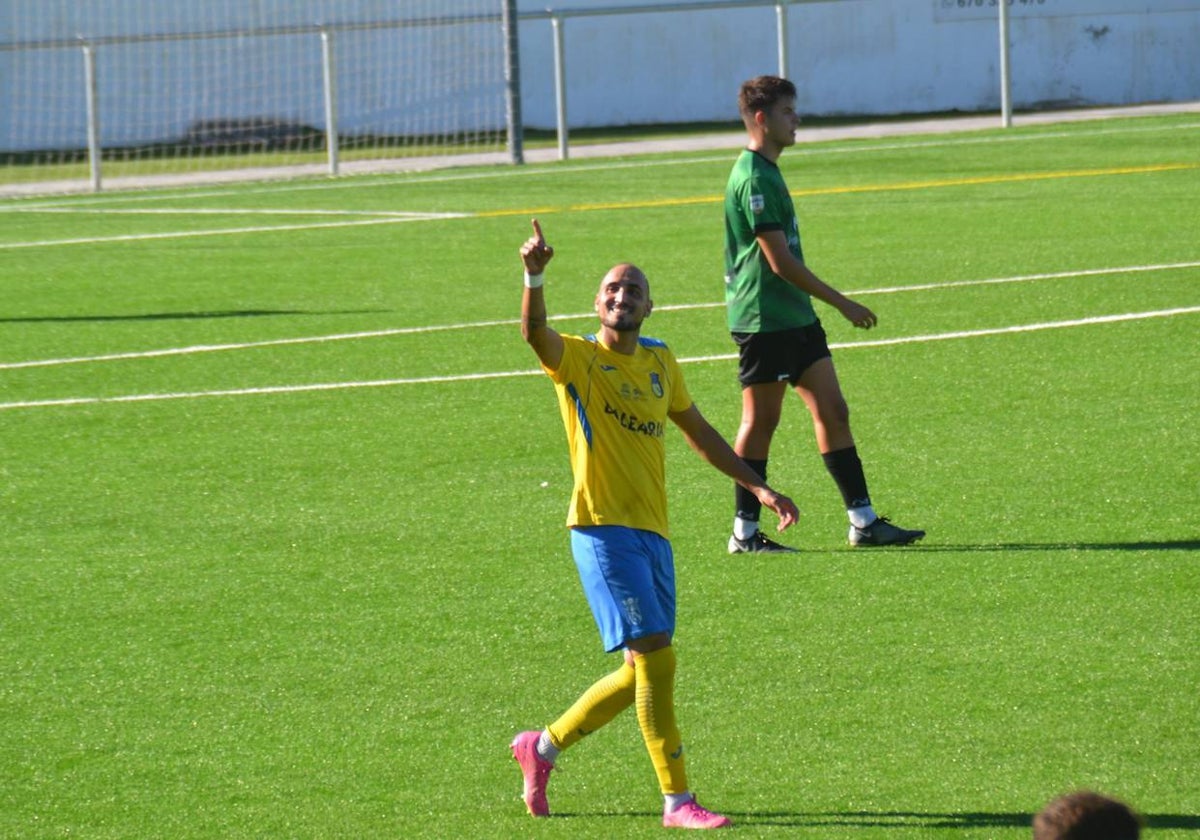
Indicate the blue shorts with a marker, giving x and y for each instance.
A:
(628, 576)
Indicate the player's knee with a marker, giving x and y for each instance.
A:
(647, 644)
(836, 414)
(761, 424)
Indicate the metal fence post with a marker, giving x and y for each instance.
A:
(560, 85)
(93, 114)
(512, 80)
(1005, 73)
(781, 23)
(328, 69)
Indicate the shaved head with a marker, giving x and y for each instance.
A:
(623, 299)
(626, 272)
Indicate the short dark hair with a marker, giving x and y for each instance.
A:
(761, 93)
(1086, 815)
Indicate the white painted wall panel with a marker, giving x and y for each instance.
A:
(848, 57)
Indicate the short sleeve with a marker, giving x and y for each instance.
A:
(681, 400)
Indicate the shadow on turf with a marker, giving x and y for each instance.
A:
(1145, 545)
(901, 819)
(914, 819)
(182, 316)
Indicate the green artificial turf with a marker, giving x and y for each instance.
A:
(281, 506)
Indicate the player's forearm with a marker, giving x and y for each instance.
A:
(714, 449)
(787, 265)
(546, 343)
(533, 315)
(799, 275)
(709, 445)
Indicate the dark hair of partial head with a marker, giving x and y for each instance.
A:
(1085, 815)
(762, 92)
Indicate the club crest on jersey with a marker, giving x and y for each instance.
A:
(656, 385)
(757, 205)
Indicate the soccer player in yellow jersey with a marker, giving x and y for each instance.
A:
(616, 390)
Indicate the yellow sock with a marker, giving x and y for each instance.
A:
(656, 717)
(608, 697)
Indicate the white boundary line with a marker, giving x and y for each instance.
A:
(389, 217)
(1019, 328)
(100, 210)
(888, 290)
(383, 383)
(190, 234)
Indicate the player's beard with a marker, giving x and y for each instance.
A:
(623, 322)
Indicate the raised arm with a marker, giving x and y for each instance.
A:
(714, 449)
(536, 254)
(784, 263)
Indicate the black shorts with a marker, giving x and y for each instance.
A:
(779, 356)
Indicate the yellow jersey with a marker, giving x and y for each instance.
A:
(615, 409)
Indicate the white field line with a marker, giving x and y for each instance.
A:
(1018, 328)
(252, 345)
(354, 336)
(379, 219)
(424, 380)
(232, 211)
(386, 217)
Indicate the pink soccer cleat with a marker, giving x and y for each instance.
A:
(692, 815)
(536, 771)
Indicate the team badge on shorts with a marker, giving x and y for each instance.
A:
(634, 610)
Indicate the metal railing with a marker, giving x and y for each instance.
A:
(508, 18)
(327, 33)
(558, 20)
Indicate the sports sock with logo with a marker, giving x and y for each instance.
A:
(608, 696)
(747, 507)
(846, 469)
(656, 717)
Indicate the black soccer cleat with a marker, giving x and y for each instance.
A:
(882, 532)
(758, 544)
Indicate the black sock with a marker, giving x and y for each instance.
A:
(746, 504)
(847, 471)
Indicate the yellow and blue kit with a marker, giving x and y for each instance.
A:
(615, 408)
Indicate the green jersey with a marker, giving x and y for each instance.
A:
(757, 299)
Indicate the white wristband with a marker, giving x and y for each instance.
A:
(533, 281)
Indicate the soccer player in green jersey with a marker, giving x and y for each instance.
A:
(768, 295)
(616, 390)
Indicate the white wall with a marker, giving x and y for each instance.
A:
(848, 57)
(853, 57)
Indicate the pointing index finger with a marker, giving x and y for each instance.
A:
(537, 231)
